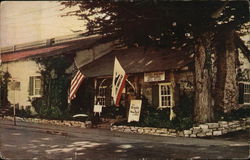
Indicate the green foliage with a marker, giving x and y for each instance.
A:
(53, 103)
(234, 114)
(52, 112)
(184, 112)
(24, 113)
(181, 123)
(152, 117)
(155, 22)
(113, 111)
(4, 79)
(185, 108)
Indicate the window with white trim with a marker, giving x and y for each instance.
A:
(35, 86)
(165, 95)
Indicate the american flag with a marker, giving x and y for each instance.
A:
(75, 84)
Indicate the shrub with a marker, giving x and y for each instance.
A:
(234, 114)
(159, 118)
(24, 113)
(53, 112)
(4, 80)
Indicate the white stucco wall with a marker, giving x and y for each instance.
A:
(21, 71)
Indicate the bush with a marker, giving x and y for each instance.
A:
(53, 112)
(235, 114)
(24, 113)
(153, 117)
(4, 80)
(113, 111)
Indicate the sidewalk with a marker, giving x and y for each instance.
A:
(237, 139)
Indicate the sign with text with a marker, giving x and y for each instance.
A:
(154, 76)
(134, 110)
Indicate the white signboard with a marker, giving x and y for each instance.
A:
(98, 108)
(154, 76)
(134, 110)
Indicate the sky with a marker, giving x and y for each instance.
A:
(27, 21)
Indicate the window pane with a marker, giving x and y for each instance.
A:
(247, 98)
(165, 97)
(101, 92)
(102, 95)
(37, 91)
(162, 90)
(31, 86)
(168, 88)
(169, 101)
(247, 88)
(37, 83)
(162, 101)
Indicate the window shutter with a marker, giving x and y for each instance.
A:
(155, 95)
(42, 86)
(31, 85)
(241, 93)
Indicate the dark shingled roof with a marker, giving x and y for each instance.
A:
(137, 60)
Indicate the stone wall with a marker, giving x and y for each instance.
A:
(202, 130)
(54, 122)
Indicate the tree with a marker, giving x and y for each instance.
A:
(194, 25)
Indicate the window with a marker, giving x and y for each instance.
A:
(244, 93)
(35, 86)
(165, 95)
(101, 97)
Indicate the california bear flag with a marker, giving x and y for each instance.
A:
(119, 78)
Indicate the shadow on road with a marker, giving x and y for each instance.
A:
(34, 143)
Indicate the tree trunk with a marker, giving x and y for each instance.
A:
(203, 110)
(226, 92)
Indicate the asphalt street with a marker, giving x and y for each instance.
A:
(39, 141)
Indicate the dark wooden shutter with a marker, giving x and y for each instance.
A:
(241, 93)
(42, 86)
(31, 85)
(155, 95)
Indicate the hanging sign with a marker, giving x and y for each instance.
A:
(154, 76)
(134, 110)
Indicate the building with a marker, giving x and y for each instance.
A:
(152, 74)
(160, 76)
(25, 82)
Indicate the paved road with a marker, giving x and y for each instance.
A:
(37, 141)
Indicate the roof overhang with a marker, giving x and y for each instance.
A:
(138, 60)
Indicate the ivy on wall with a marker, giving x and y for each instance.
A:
(55, 82)
(4, 79)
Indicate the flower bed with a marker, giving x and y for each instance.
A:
(202, 130)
